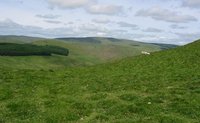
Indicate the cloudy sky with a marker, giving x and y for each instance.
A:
(160, 21)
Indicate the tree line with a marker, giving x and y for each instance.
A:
(12, 49)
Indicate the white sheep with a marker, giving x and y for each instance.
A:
(145, 53)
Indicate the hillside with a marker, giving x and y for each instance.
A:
(93, 50)
(160, 88)
(82, 52)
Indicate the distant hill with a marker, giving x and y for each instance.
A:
(17, 39)
(82, 40)
(82, 51)
(93, 39)
(165, 46)
(103, 39)
(163, 87)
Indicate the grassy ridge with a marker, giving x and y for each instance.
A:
(161, 88)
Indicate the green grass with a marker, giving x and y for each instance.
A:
(163, 87)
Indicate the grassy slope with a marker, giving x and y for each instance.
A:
(103, 51)
(161, 88)
(81, 53)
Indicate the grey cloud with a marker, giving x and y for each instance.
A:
(8, 24)
(53, 21)
(166, 15)
(90, 6)
(152, 30)
(128, 25)
(159, 39)
(120, 31)
(69, 23)
(104, 9)
(188, 37)
(71, 4)
(101, 21)
(175, 26)
(48, 16)
(12, 28)
(8, 27)
(191, 3)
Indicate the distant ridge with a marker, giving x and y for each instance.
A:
(165, 46)
(94, 39)
(18, 39)
(79, 39)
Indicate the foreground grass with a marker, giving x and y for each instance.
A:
(161, 88)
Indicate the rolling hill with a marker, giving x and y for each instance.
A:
(17, 39)
(82, 51)
(163, 87)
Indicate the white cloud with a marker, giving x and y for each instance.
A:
(104, 9)
(101, 34)
(69, 3)
(91, 6)
(159, 39)
(89, 28)
(192, 3)
(166, 15)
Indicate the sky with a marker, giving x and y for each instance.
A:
(158, 21)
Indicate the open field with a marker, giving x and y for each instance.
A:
(163, 87)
